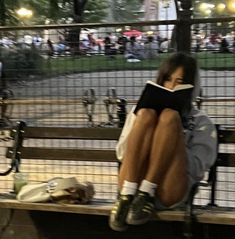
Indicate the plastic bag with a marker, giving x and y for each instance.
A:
(59, 190)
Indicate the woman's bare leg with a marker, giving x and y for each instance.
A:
(135, 160)
(167, 161)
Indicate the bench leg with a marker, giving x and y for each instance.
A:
(190, 218)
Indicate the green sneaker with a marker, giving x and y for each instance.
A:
(117, 218)
(141, 209)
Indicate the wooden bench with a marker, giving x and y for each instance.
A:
(19, 152)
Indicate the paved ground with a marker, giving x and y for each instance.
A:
(128, 85)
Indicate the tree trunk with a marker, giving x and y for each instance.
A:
(79, 6)
(2, 13)
(183, 29)
(54, 9)
(74, 34)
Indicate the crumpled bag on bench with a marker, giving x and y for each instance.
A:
(59, 190)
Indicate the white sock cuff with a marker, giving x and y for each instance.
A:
(147, 183)
(129, 188)
(148, 187)
(130, 184)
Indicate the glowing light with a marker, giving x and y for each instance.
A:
(206, 8)
(210, 5)
(220, 7)
(231, 5)
(207, 11)
(24, 13)
(203, 7)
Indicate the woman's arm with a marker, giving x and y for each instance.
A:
(202, 148)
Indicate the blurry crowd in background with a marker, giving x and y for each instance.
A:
(214, 42)
(133, 44)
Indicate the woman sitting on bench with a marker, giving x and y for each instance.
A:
(166, 152)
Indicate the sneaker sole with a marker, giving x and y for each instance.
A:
(132, 221)
(117, 228)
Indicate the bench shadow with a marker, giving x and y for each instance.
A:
(73, 226)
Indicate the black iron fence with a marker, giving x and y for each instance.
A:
(81, 75)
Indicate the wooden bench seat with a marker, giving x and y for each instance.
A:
(94, 208)
(216, 216)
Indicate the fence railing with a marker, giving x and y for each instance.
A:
(74, 75)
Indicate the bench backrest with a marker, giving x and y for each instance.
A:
(226, 137)
(57, 153)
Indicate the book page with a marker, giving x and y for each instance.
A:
(178, 87)
(183, 87)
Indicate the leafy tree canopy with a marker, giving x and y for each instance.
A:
(95, 10)
(126, 10)
(53, 10)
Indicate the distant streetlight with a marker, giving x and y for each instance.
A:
(24, 13)
(202, 7)
(207, 12)
(220, 7)
(231, 5)
(206, 8)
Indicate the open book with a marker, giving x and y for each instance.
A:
(157, 97)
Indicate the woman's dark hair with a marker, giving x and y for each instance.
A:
(189, 65)
(176, 60)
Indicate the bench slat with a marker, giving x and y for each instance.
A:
(216, 217)
(226, 160)
(227, 136)
(66, 154)
(94, 209)
(72, 133)
(202, 215)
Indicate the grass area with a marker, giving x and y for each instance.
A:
(216, 61)
(62, 65)
(69, 65)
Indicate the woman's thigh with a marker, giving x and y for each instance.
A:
(174, 185)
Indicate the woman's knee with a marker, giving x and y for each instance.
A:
(146, 117)
(169, 117)
(169, 197)
(169, 200)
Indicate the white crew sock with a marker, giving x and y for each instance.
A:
(148, 187)
(129, 188)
